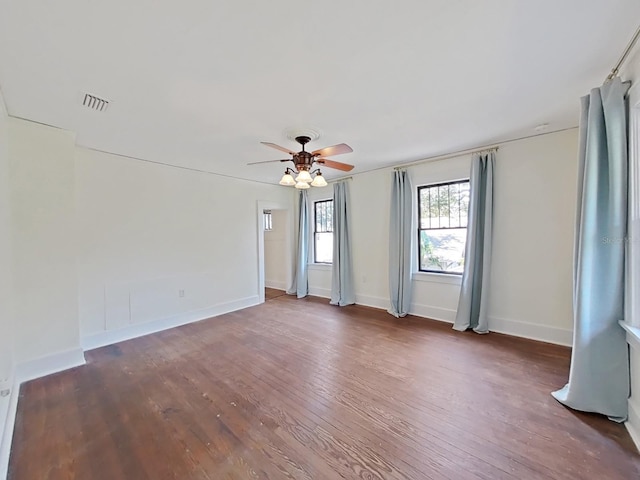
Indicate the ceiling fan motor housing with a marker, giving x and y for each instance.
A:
(303, 160)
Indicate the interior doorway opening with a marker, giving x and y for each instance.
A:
(274, 250)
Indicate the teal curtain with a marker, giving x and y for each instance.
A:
(599, 375)
(473, 304)
(400, 244)
(342, 292)
(300, 283)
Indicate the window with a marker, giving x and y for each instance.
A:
(323, 232)
(268, 220)
(442, 226)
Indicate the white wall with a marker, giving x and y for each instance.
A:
(535, 191)
(535, 204)
(44, 240)
(277, 251)
(147, 233)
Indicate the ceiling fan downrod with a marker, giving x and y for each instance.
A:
(303, 140)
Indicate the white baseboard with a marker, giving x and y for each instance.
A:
(434, 313)
(57, 362)
(542, 333)
(371, 301)
(110, 337)
(9, 407)
(320, 292)
(633, 424)
(25, 371)
(275, 284)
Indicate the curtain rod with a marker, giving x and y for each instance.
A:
(623, 57)
(447, 156)
(486, 148)
(339, 179)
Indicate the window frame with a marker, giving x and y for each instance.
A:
(420, 229)
(267, 220)
(315, 226)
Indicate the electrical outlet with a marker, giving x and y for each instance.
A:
(5, 384)
(5, 387)
(181, 293)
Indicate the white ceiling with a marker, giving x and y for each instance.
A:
(199, 83)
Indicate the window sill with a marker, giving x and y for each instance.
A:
(633, 334)
(437, 278)
(319, 266)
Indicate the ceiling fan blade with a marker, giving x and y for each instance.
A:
(278, 147)
(333, 150)
(270, 161)
(345, 167)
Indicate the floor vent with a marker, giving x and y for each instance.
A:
(95, 103)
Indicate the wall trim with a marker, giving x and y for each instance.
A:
(49, 364)
(432, 277)
(633, 421)
(371, 301)
(263, 205)
(109, 337)
(9, 403)
(25, 371)
(434, 313)
(532, 331)
(320, 292)
(633, 424)
(633, 334)
(516, 328)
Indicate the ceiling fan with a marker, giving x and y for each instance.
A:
(304, 162)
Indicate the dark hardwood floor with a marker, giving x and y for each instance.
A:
(271, 293)
(299, 389)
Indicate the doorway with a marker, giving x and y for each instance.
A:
(274, 250)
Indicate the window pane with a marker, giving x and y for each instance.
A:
(454, 205)
(323, 236)
(443, 202)
(324, 216)
(324, 247)
(318, 217)
(443, 250)
(464, 203)
(268, 221)
(424, 208)
(434, 210)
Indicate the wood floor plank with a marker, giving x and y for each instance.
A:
(299, 389)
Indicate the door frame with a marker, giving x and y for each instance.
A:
(287, 208)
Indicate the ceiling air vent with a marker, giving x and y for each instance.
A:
(95, 103)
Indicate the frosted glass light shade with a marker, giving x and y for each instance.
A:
(287, 180)
(319, 181)
(303, 176)
(302, 185)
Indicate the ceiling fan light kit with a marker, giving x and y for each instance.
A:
(304, 176)
(304, 161)
(287, 180)
(319, 180)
